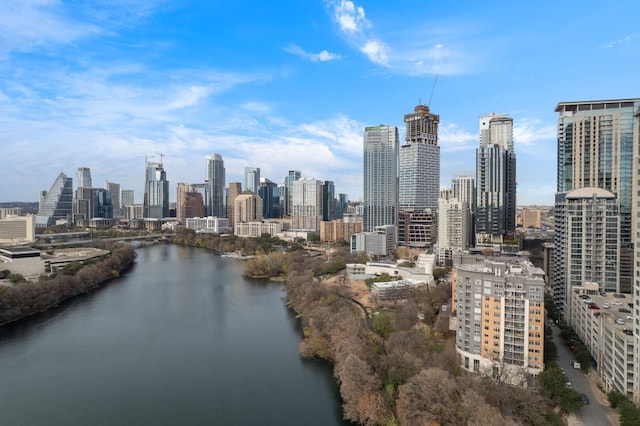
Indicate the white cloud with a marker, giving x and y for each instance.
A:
(528, 131)
(453, 139)
(350, 18)
(322, 56)
(376, 51)
(629, 38)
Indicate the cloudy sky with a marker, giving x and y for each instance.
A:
(291, 84)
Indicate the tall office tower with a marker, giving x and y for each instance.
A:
(306, 204)
(586, 241)
(454, 222)
(270, 194)
(381, 146)
(419, 172)
(156, 191)
(56, 204)
(235, 189)
(190, 202)
(114, 189)
(500, 310)
(83, 176)
(215, 204)
(126, 198)
(595, 148)
(247, 207)
(328, 200)
(342, 203)
(417, 228)
(636, 283)
(285, 195)
(252, 179)
(495, 178)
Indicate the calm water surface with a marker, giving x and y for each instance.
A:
(182, 339)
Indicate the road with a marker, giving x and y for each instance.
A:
(596, 413)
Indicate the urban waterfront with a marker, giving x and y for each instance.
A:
(182, 338)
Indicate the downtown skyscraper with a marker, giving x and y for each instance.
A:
(419, 171)
(156, 191)
(495, 214)
(215, 172)
(595, 149)
(381, 146)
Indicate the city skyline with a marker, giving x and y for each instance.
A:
(289, 86)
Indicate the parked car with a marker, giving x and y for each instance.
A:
(605, 306)
(585, 399)
(619, 321)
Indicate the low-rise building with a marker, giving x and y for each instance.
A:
(211, 224)
(395, 290)
(17, 229)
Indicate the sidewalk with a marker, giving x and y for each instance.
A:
(601, 396)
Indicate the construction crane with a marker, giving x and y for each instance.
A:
(433, 88)
(161, 157)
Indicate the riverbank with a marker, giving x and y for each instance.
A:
(28, 298)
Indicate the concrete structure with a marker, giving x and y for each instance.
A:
(495, 213)
(256, 229)
(190, 202)
(500, 318)
(215, 202)
(586, 241)
(247, 207)
(235, 189)
(417, 229)
(339, 230)
(636, 227)
(419, 171)
(596, 149)
(380, 242)
(285, 193)
(156, 191)
(83, 177)
(604, 323)
(126, 198)
(454, 225)
(22, 260)
(531, 218)
(208, 224)
(133, 211)
(17, 229)
(63, 257)
(306, 204)
(56, 205)
(5, 212)
(395, 290)
(381, 146)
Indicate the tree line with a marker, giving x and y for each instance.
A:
(27, 298)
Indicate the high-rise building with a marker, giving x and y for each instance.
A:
(114, 189)
(495, 179)
(156, 191)
(247, 207)
(586, 241)
(636, 280)
(56, 204)
(381, 146)
(270, 194)
(531, 218)
(215, 204)
(417, 228)
(190, 202)
(500, 318)
(463, 188)
(235, 189)
(285, 194)
(419, 171)
(83, 176)
(595, 149)
(252, 179)
(454, 220)
(328, 200)
(126, 197)
(306, 204)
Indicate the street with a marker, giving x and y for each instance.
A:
(596, 413)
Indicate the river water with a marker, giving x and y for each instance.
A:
(181, 339)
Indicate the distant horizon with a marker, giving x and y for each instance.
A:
(290, 85)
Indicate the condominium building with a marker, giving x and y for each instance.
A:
(215, 225)
(247, 207)
(417, 228)
(270, 194)
(235, 189)
(215, 173)
(586, 242)
(636, 280)
(285, 193)
(114, 189)
(531, 218)
(339, 230)
(499, 307)
(256, 229)
(380, 242)
(495, 213)
(381, 146)
(454, 225)
(306, 204)
(596, 149)
(252, 179)
(190, 202)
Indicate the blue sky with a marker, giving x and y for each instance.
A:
(292, 84)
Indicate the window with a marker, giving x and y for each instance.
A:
(476, 365)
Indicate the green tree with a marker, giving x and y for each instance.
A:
(383, 324)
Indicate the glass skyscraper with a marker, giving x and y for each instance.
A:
(495, 214)
(55, 204)
(216, 181)
(381, 146)
(419, 172)
(595, 149)
(156, 191)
